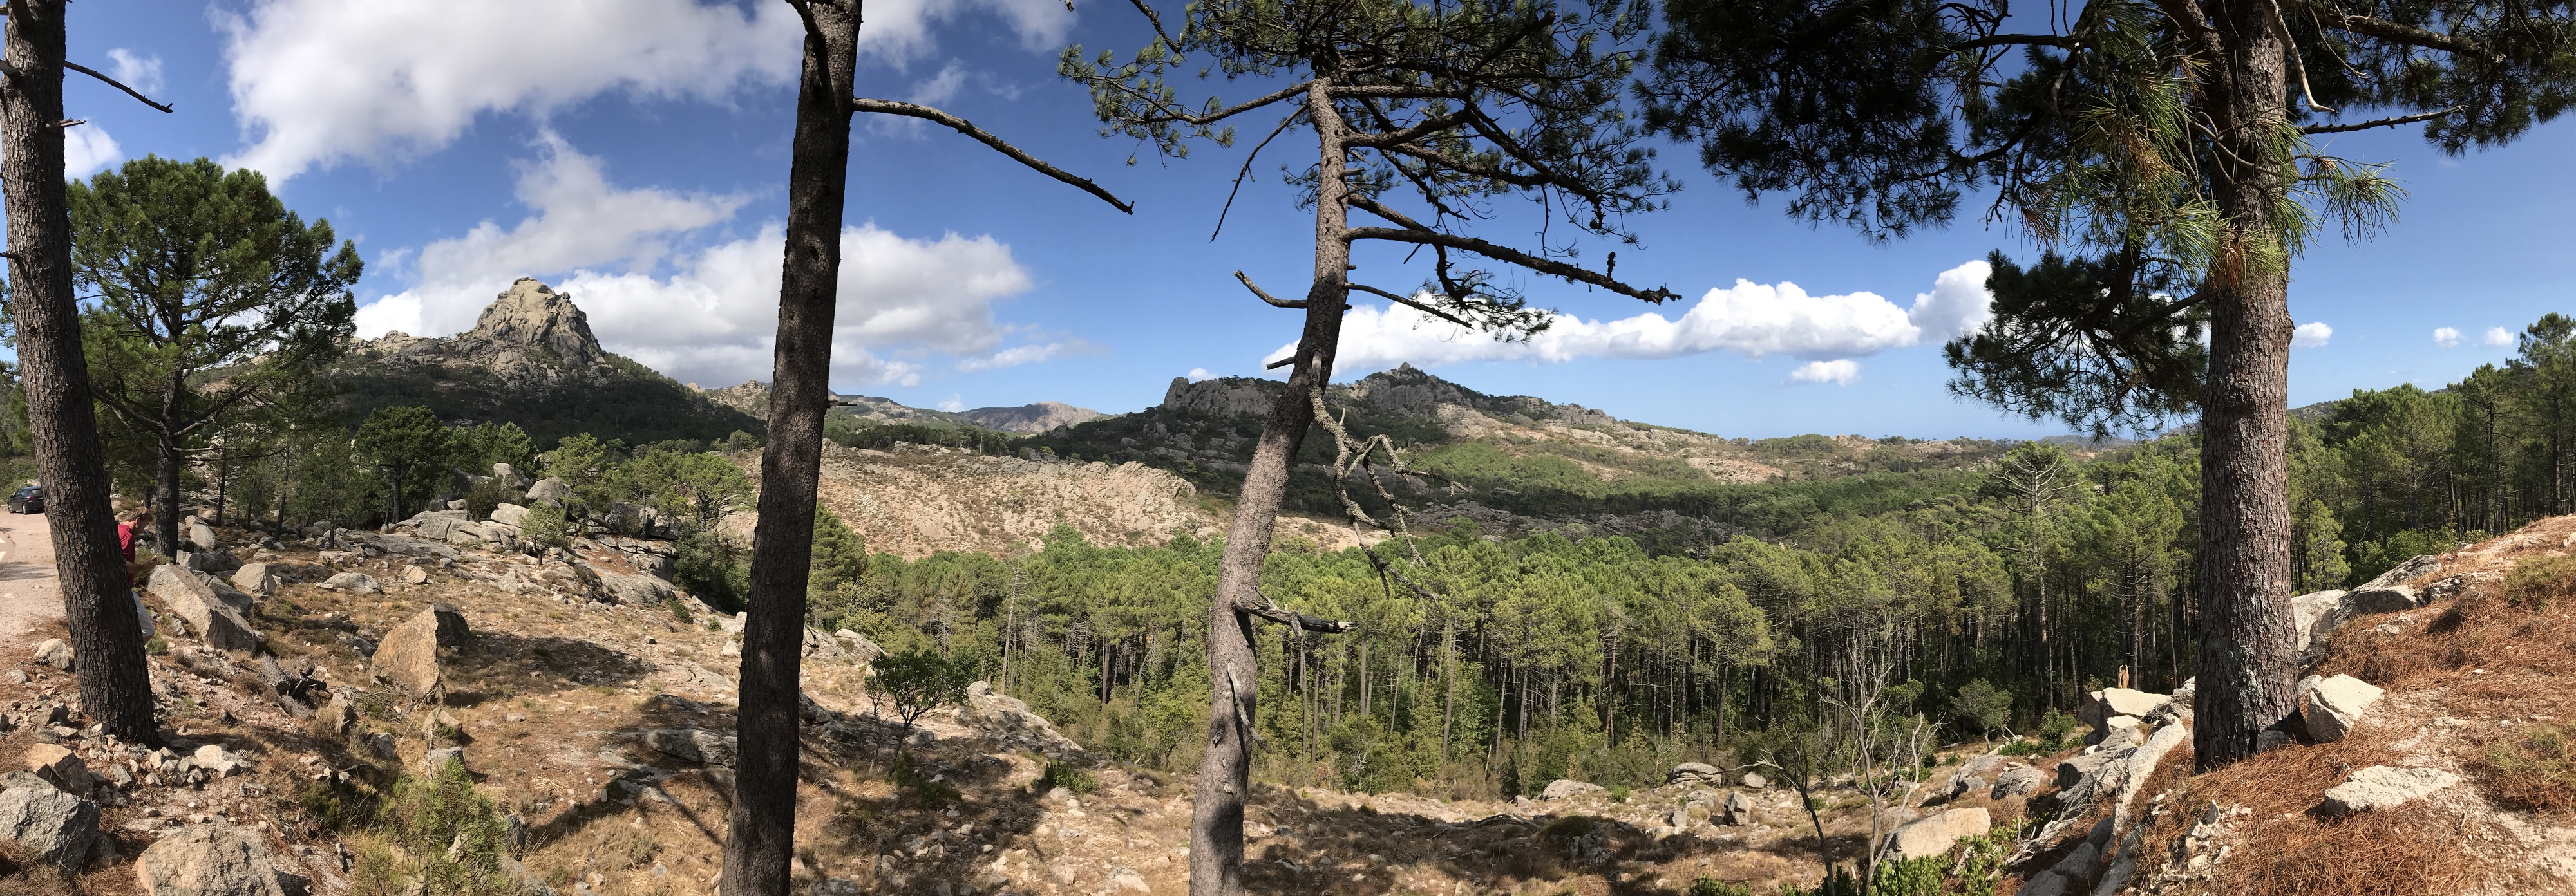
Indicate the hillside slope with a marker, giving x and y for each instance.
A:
(531, 359)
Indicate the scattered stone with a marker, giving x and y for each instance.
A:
(2270, 739)
(2046, 883)
(2123, 731)
(2331, 706)
(509, 514)
(1970, 776)
(2390, 592)
(357, 582)
(549, 489)
(1756, 781)
(202, 537)
(55, 653)
(206, 613)
(1008, 719)
(2080, 865)
(1695, 774)
(1739, 810)
(696, 746)
(258, 579)
(409, 655)
(337, 717)
(213, 859)
(1563, 788)
(219, 762)
(1933, 835)
(413, 575)
(439, 758)
(2099, 707)
(60, 767)
(2019, 780)
(858, 645)
(2384, 787)
(384, 746)
(45, 823)
(510, 475)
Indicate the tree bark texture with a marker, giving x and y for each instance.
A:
(762, 829)
(1225, 772)
(2247, 659)
(106, 636)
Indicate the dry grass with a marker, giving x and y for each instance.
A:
(2408, 851)
(2534, 770)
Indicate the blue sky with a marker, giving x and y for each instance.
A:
(633, 152)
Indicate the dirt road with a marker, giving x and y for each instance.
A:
(31, 601)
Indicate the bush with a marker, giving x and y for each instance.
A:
(450, 838)
(1710, 886)
(2056, 728)
(711, 567)
(489, 494)
(1068, 776)
(545, 526)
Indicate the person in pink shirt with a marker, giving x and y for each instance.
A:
(127, 533)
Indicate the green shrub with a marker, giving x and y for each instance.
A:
(1710, 886)
(1980, 707)
(448, 834)
(1068, 776)
(2056, 728)
(489, 494)
(2539, 582)
(544, 525)
(1619, 794)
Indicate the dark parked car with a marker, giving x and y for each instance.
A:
(28, 499)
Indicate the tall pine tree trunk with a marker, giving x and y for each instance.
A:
(1216, 818)
(2246, 656)
(115, 688)
(762, 830)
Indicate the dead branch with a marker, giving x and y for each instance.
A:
(1409, 303)
(2380, 123)
(112, 82)
(1168, 42)
(968, 128)
(1548, 266)
(1266, 297)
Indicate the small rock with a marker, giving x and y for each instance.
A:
(55, 653)
(2270, 739)
(2080, 865)
(509, 514)
(2099, 707)
(2122, 731)
(2332, 706)
(219, 762)
(357, 582)
(256, 578)
(46, 824)
(208, 614)
(439, 758)
(696, 746)
(2384, 787)
(1739, 810)
(60, 767)
(549, 489)
(1562, 788)
(1756, 781)
(2017, 781)
(384, 746)
(2045, 883)
(1933, 835)
(213, 859)
(413, 575)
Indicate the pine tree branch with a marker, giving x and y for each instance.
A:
(112, 82)
(962, 126)
(1408, 302)
(2380, 123)
(1510, 255)
(1275, 302)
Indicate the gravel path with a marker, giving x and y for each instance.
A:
(31, 600)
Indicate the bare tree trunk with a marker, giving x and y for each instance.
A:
(761, 832)
(115, 687)
(1216, 818)
(2246, 657)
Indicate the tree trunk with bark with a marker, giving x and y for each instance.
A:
(2247, 659)
(761, 832)
(1225, 772)
(106, 635)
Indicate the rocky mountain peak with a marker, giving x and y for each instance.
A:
(531, 315)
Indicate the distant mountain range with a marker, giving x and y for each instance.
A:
(753, 398)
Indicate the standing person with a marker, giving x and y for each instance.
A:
(127, 533)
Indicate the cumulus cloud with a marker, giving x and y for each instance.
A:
(1199, 373)
(86, 149)
(953, 403)
(1752, 319)
(135, 70)
(2499, 337)
(2313, 334)
(2446, 337)
(710, 316)
(1840, 372)
(316, 82)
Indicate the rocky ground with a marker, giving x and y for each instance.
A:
(595, 711)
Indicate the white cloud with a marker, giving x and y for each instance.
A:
(953, 403)
(1028, 354)
(710, 316)
(2313, 334)
(2499, 337)
(317, 82)
(1199, 373)
(2446, 337)
(86, 149)
(1840, 373)
(941, 87)
(134, 70)
(1751, 319)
